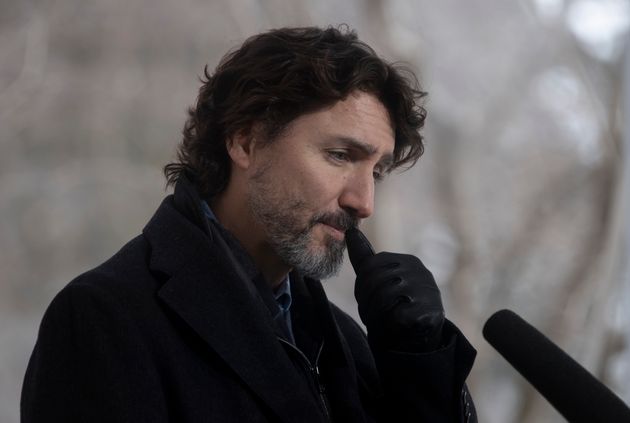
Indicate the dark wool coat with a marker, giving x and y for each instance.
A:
(171, 330)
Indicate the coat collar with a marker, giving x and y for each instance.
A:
(205, 288)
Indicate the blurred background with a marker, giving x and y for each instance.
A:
(521, 200)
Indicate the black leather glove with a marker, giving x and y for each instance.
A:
(399, 301)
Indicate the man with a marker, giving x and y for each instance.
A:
(215, 313)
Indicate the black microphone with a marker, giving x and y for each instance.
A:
(568, 386)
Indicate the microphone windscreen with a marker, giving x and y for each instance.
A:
(568, 386)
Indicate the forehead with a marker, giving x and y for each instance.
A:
(360, 116)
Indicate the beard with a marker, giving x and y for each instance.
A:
(289, 229)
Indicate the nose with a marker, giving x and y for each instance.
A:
(357, 197)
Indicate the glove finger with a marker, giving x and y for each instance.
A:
(387, 260)
(387, 274)
(382, 296)
(395, 300)
(380, 312)
(376, 278)
(379, 266)
(359, 248)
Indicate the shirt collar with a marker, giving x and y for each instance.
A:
(208, 212)
(283, 295)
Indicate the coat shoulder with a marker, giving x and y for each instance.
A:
(125, 273)
(122, 285)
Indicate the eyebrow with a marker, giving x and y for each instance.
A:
(368, 149)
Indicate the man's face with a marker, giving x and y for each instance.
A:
(317, 179)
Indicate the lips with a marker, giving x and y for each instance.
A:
(335, 226)
(337, 223)
(341, 223)
(334, 231)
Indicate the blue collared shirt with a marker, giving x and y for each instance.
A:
(284, 300)
(282, 294)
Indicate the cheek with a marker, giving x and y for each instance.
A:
(306, 187)
(322, 190)
(311, 180)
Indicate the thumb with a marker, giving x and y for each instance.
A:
(359, 248)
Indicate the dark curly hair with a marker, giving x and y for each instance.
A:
(277, 76)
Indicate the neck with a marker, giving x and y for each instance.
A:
(233, 213)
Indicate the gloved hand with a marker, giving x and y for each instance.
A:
(399, 301)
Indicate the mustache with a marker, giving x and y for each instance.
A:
(340, 220)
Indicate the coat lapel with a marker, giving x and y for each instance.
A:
(337, 359)
(211, 296)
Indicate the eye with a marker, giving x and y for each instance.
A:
(339, 155)
(380, 172)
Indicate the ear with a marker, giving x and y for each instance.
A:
(240, 148)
